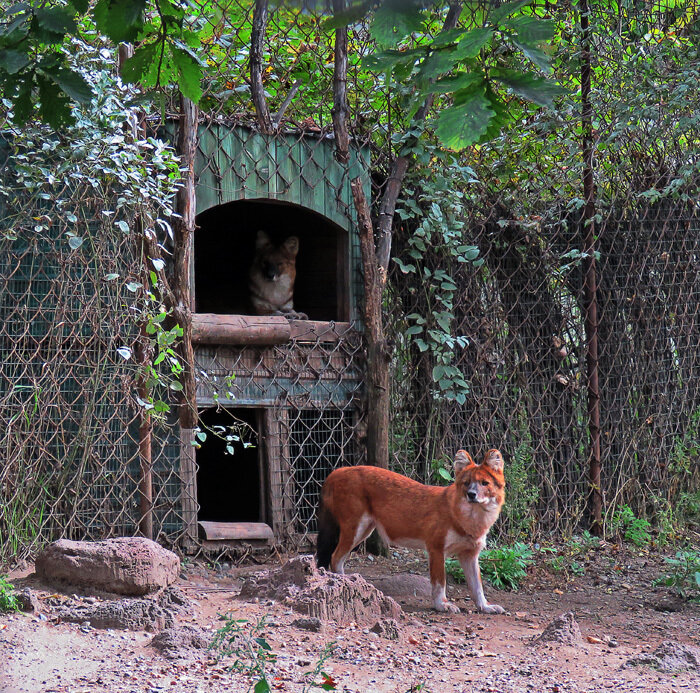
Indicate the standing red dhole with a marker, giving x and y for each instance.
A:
(452, 520)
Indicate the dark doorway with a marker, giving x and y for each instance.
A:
(230, 487)
(224, 246)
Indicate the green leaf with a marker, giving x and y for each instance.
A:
(73, 84)
(189, 74)
(445, 38)
(348, 15)
(538, 56)
(176, 386)
(54, 107)
(506, 10)
(394, 20)
(55, 20)
(414, 329)
(81, 6)
(12, 61)
(464, 123)
(532, 30)
(472, 43)
(23, 102)
(136, 67)
(262, 686)
(531, 87)
(437, 63)
(75, 242)
(120, 20)
(453, 83)
(384, 61)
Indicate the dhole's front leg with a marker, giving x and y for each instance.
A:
(472, 574)
(437, 582)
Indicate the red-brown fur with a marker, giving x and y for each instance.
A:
(452, 520)
(272, 275)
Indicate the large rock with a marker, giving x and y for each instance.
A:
(126, 565)
(670, 658)
(323, 595)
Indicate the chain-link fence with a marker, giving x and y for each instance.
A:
(528, 363)
(503, 356)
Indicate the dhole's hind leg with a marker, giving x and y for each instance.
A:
(350, 536)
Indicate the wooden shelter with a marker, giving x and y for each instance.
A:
(296, 384)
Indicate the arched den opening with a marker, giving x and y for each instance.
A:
(225, 245)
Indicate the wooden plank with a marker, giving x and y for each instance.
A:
(212, 328)
(207, 171)
(234, 166)
(188, 475)
(236, 530)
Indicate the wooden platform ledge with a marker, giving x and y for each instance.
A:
(235, 530)
(212, 328)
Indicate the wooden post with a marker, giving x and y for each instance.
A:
(276, 442)
(188, 478)
(183, 229)
(590, 278)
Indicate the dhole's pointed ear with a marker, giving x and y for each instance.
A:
(291, 245)
(462, 459)
(261, 240)
(493, 459)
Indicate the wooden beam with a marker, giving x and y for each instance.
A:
(211, 328)
(236, 530)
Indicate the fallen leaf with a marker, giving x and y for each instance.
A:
(593, 640)
(412, 640)
(558, 591)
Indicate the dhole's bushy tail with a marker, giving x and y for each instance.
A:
(328, 535)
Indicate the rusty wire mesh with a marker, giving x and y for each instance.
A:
(67, 409)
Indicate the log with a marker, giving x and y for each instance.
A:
(236, 530)
(210, 328)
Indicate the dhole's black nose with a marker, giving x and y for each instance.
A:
(471, 495)
(269, 271)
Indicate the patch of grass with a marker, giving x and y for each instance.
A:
(633, 529)
(8, 600)
(684, 574)
(504, 567)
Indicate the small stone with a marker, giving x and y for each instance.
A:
(313, 624)
(386, 627)
(27, 600)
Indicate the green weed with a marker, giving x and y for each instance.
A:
(684, 574)
(8, 600)
(633, 529)
(253, 655)
(504, 567)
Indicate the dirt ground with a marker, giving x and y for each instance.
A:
(620, 613)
